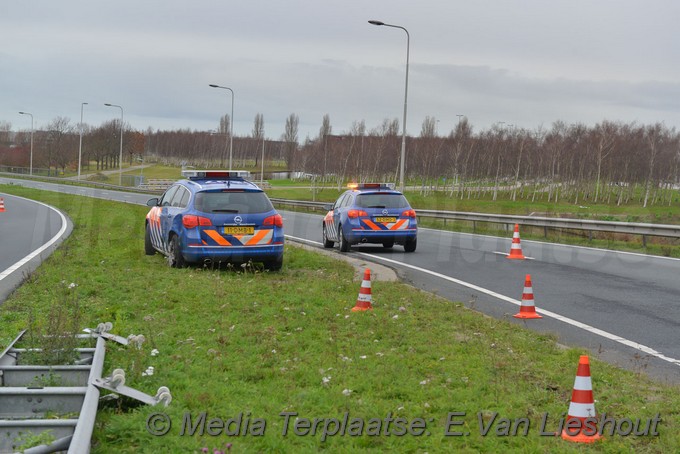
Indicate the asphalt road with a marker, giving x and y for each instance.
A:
(29, 231)
(624, 308)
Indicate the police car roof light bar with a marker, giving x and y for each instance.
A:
(356, 186)
(215, 174)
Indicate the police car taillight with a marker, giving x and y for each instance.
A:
(409, 214)
(276, 220)
(356, 214)
(190, 221)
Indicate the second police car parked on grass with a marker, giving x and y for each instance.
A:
(215, 217)
(370, 213)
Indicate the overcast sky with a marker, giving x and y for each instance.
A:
(524, 62)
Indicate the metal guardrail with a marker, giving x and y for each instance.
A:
(83, 182)
(41, 399)
(590, 225)
(663, 230)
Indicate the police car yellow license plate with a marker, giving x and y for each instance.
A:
(239, 230)
(385, 219)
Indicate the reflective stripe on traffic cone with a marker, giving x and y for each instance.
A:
(516, 248)
(527, 309)
(2, 204)
(364, 298)
(582, 406)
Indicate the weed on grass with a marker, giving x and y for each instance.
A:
(278, 362)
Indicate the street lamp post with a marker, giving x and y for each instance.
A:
(403, 136)
(231, 123)
(120, 157)
(80, 146)
(30, 168)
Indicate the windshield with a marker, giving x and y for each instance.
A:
(233, 202)
(381, 200)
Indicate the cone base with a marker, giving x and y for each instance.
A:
(360, 309)
(515, 257)
(580, 437)
(527, 315)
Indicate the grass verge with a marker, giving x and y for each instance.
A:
(261, 345)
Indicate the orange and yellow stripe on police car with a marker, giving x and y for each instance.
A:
(219, 239)
(259, 236)
(399, 224)
(371, 224)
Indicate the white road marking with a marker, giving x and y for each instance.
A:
(567, 320)
(38, 251)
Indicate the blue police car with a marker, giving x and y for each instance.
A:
(215, 217)
(370, 213)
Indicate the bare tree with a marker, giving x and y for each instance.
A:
(429, 128)
(225, 123)
(290, 138)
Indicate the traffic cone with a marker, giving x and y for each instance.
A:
(516, 248)
(582, 406)
(2, 204)
(364, 298)
(527, 309)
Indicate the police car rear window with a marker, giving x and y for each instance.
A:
(233, 202)
(381, 200)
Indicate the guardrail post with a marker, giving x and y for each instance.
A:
(644, 240)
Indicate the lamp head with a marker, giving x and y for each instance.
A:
(376, 22)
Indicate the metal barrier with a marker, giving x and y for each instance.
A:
(663, 230)
(644, 229)
(31, 403)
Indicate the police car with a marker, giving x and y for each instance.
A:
(214, 217)
(370, 213)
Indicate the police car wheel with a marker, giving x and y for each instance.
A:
(175, 258)
(344, 244)
(410, 245)
(148, 247)
(326, 242)
(274, 265)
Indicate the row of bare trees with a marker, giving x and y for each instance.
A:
(607, 162)
(57, 146)
(603, 163)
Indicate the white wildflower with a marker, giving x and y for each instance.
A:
(346, 392)
(154, 352)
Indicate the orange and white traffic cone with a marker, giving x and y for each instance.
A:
(527, 309)
(364, 298)
(516, 247)
(2, 204)
(582, 407)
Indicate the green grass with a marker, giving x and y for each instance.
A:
(261, 344)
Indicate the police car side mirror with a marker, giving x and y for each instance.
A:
(328, 207)
(152, 202)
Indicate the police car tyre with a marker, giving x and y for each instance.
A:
(175, 256)
(410, 245)
(148, 247)
(344, 244)
(274, 265)
(388, 244)
(326, 242)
